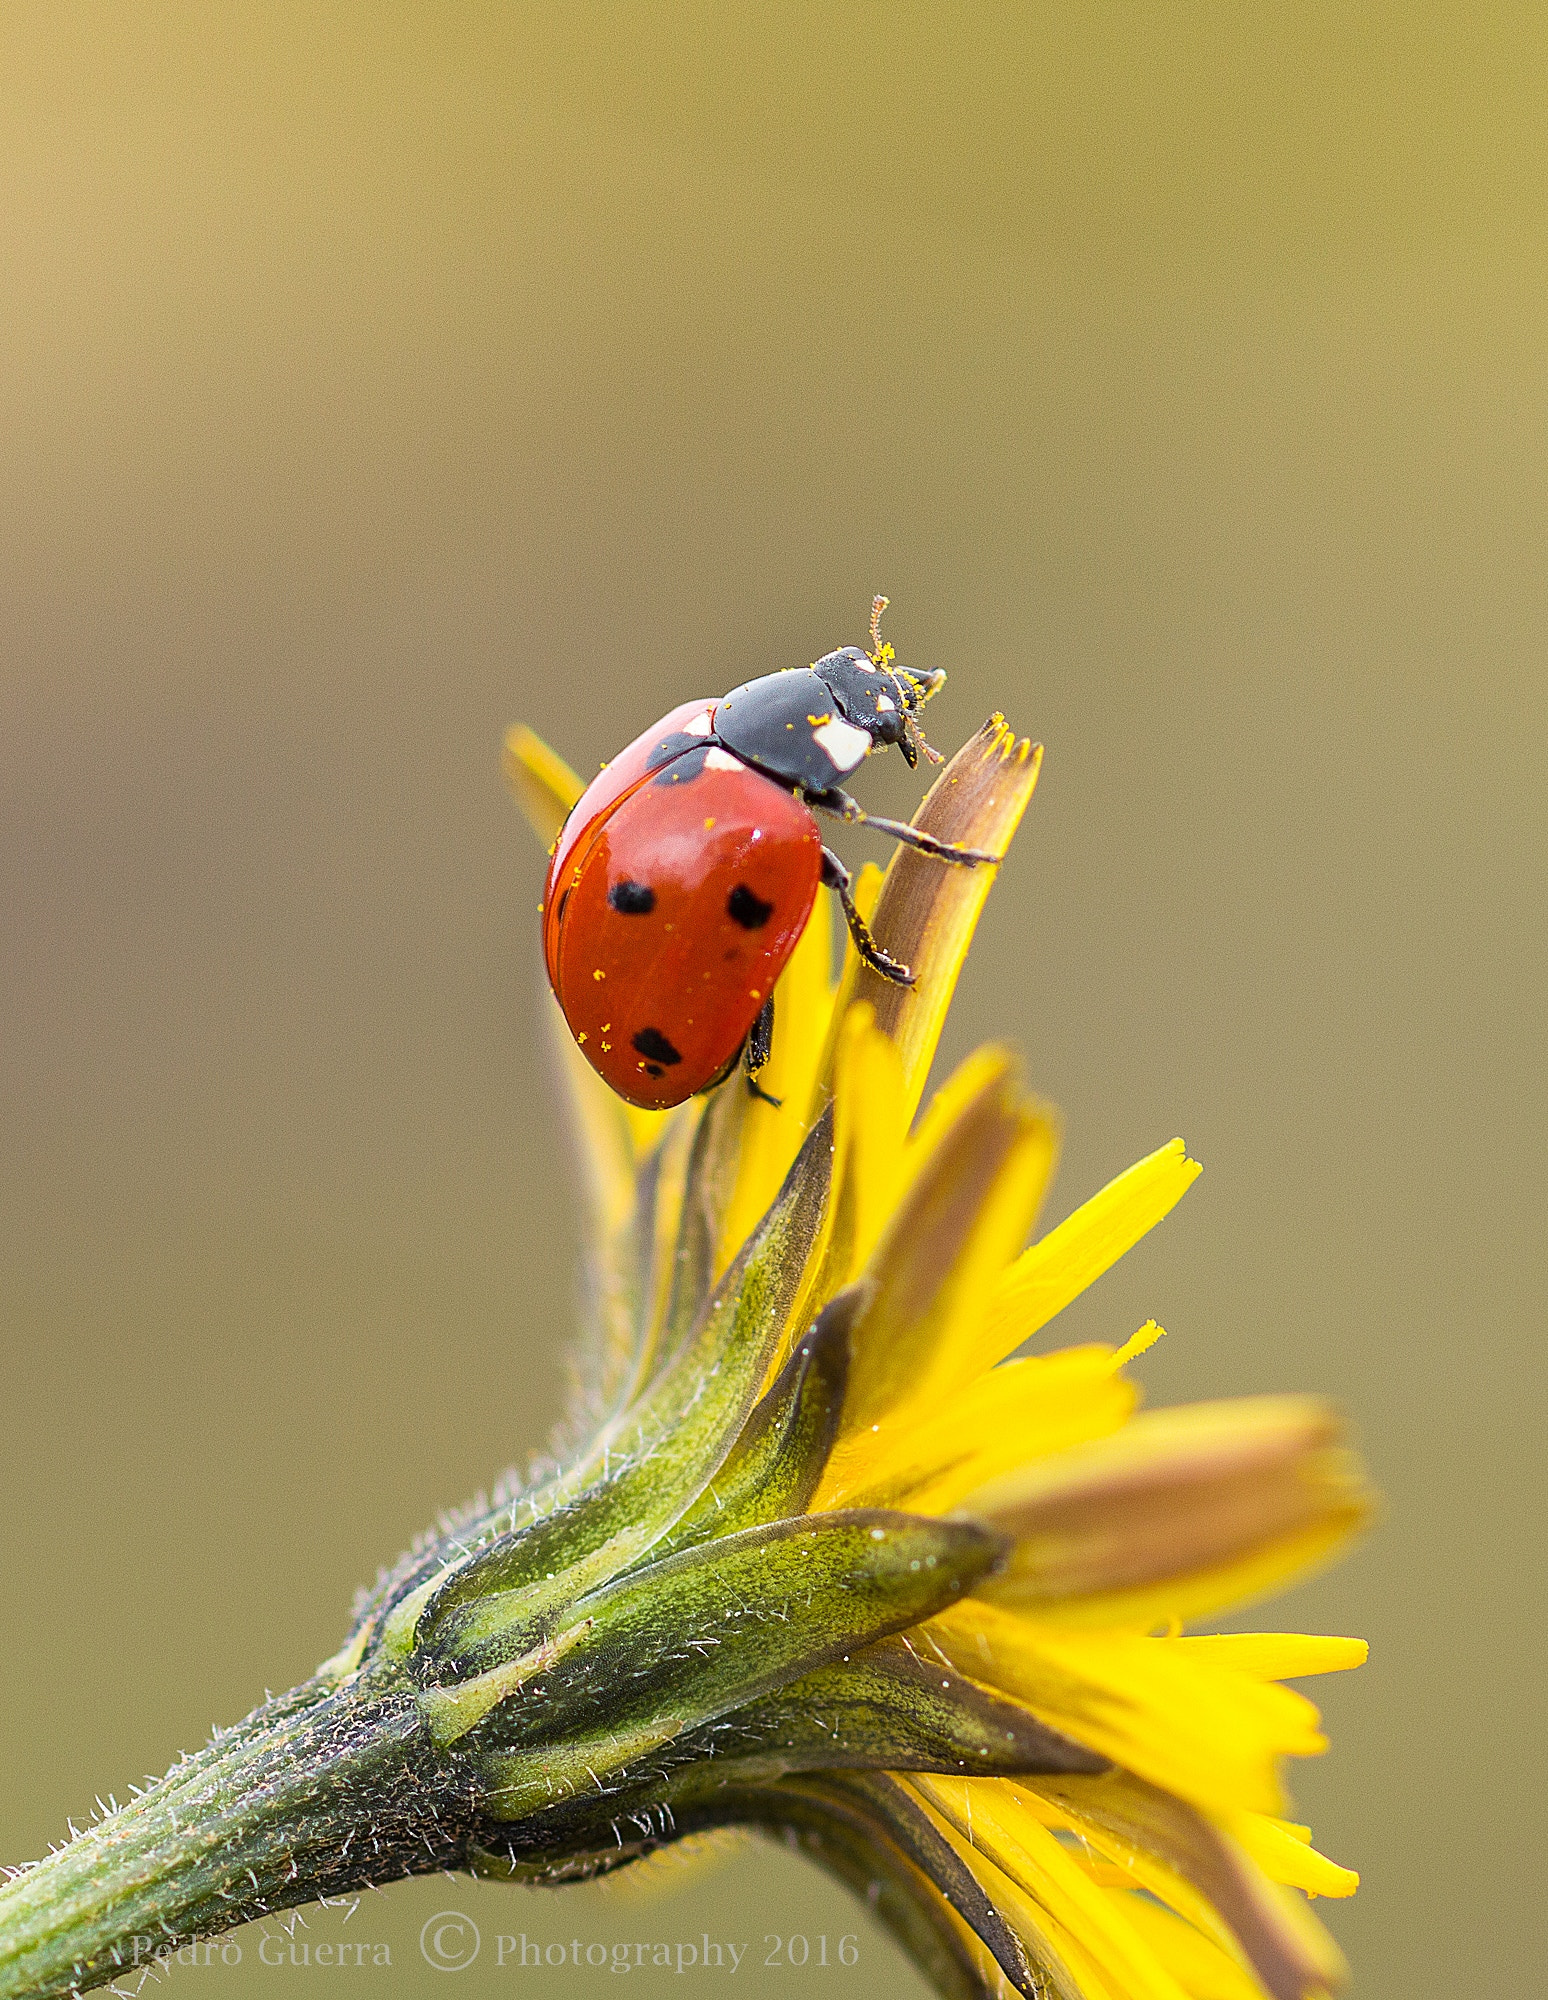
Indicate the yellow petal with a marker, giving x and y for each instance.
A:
(1139, 1343)
(991, 1821)
(967, 1082)
(683, 1183)
(969, 1206)
(1205, 1969)
(544, 785)
(1044, 1279)
(772, 1134)
(1275, 1656)
(868, 1086)
(866, 891)
(1285, 1854)
(1021, 1410)
(1197, 1730)
(1179, 1513)
(645, 1127)
(1060, 1966)
(867, 1143)
(1200, 1869)
(1127, 1827)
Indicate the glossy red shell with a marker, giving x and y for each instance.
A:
(661, 1000)
(614, 781)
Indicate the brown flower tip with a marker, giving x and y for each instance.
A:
(928, 908)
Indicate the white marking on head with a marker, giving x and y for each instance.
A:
(722, 760)
(885, 705)
(699, 725)
(841, 743)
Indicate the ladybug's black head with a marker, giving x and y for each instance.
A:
(878, 695)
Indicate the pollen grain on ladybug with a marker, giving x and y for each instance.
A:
(821, 1551)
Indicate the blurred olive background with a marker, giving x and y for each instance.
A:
(373, 377)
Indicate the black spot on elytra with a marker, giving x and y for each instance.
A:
(654, 1069)
(746, 909)
(632, 899)
(655, 1047)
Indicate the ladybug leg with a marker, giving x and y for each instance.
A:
(755, 1053)
(842, 806)
(836, 877)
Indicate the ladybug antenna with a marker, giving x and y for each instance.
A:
(917, 688)
(878, 606)
(931, 753)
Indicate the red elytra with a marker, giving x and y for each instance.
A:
(670, 911)
(616, 779)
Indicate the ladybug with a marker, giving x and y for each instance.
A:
(684, 876)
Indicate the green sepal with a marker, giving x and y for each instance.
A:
(886, 1709)
(713, 1628)
(647, 1469)
(776, 1463)
(881, 1709)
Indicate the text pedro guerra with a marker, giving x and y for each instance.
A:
(451, 1942)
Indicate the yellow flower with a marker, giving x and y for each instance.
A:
(818, 1553)
(1159, 1862)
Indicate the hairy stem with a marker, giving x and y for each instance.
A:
(314, 1794)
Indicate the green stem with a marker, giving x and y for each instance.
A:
(313, 1795)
